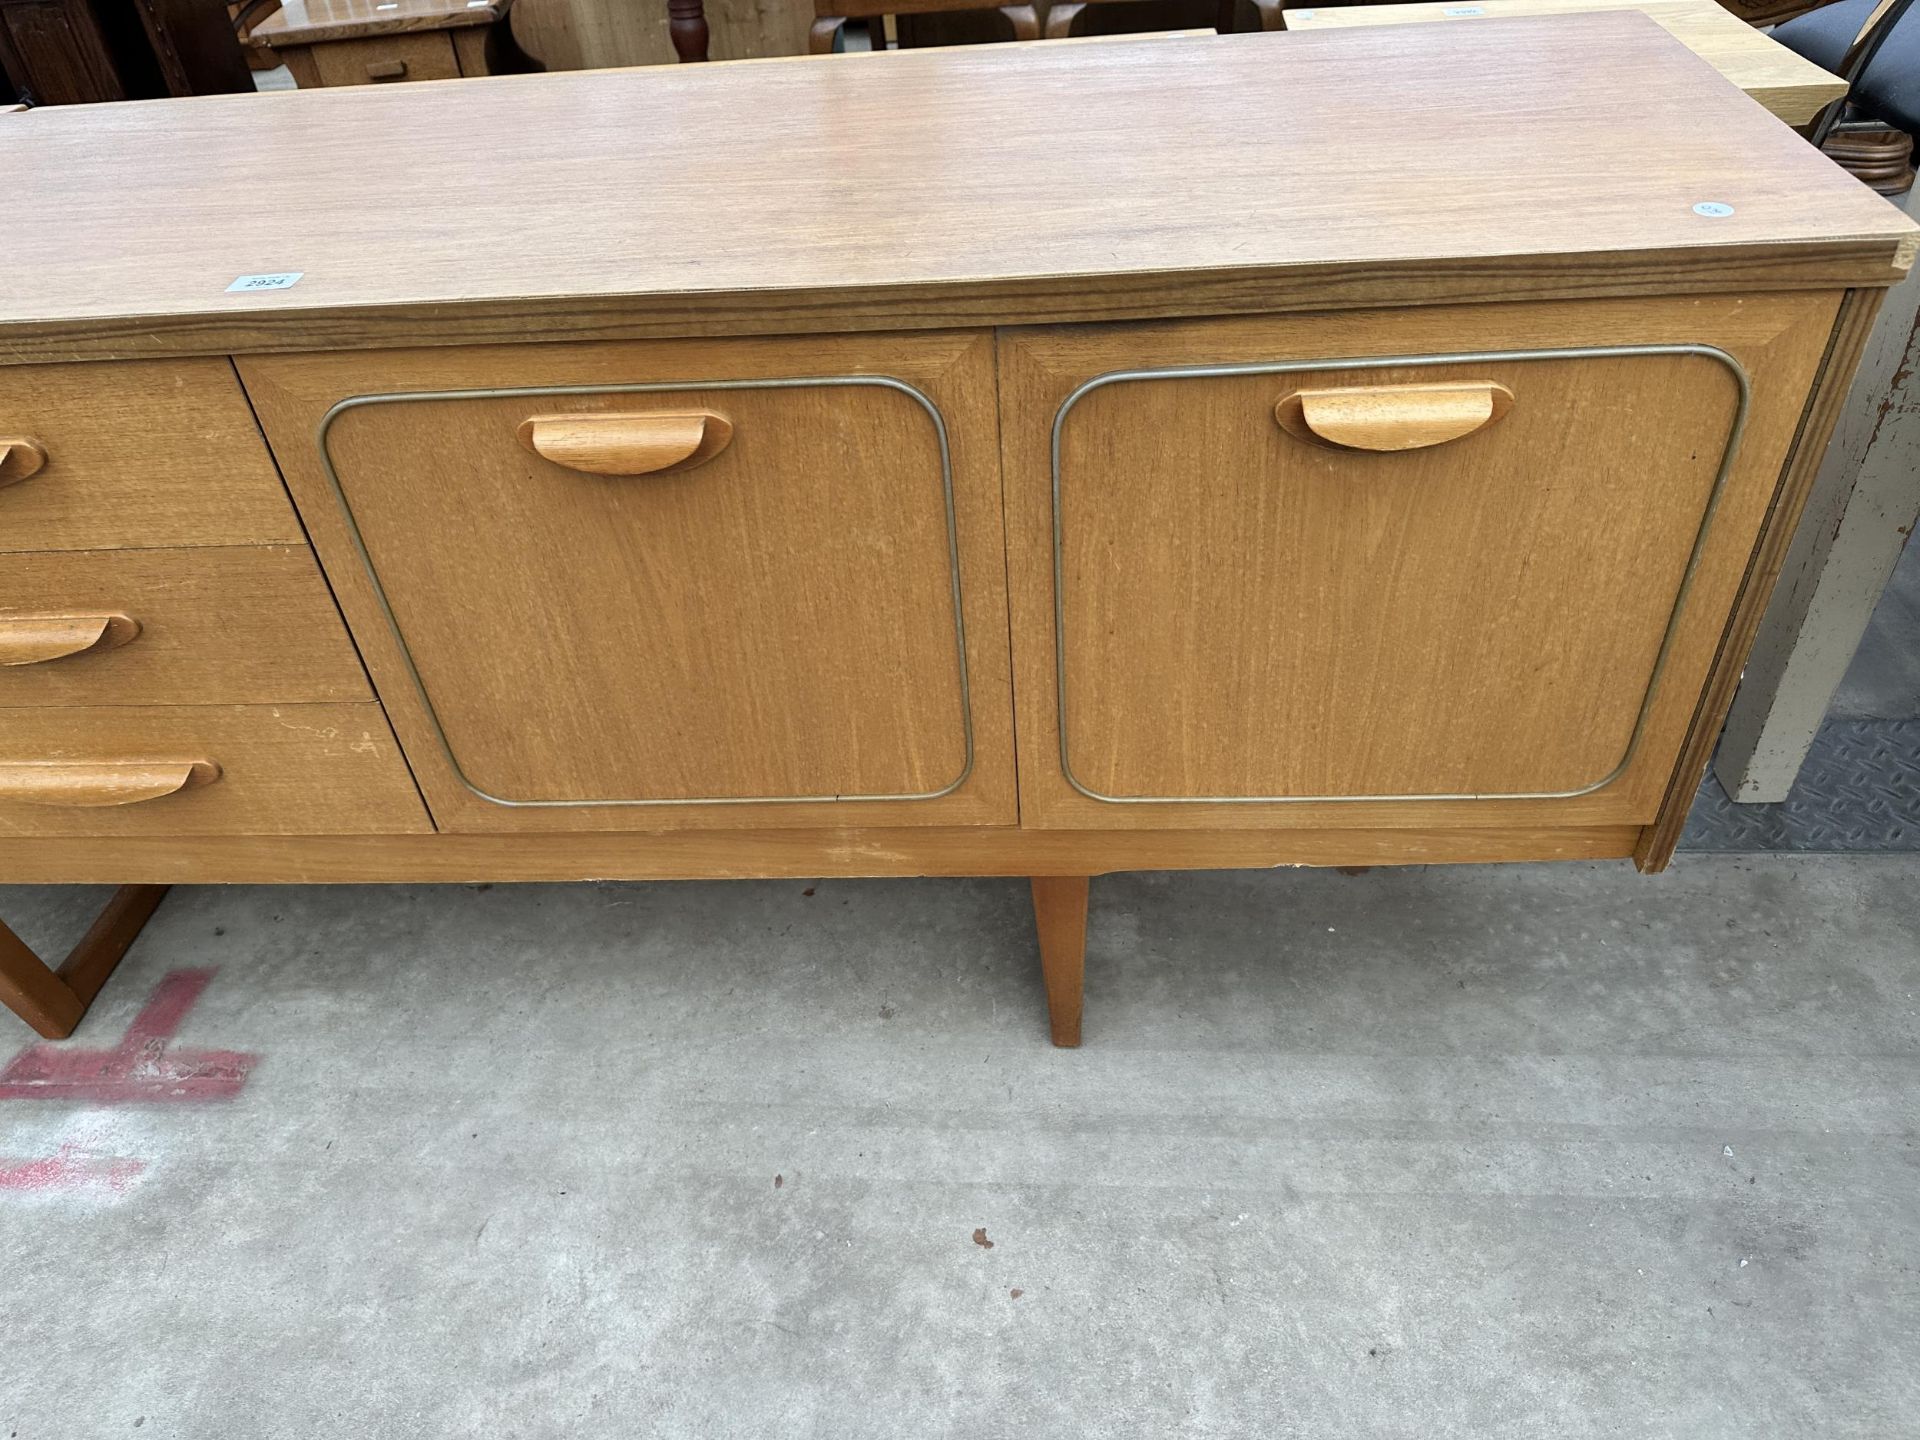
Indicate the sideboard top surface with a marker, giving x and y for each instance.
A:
(1063, 182)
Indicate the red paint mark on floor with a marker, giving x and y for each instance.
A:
(69, 1170)
(142, 1068)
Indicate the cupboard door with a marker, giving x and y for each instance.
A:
(642, 586)
(1452, 566)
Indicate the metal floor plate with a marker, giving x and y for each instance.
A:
(1858, 791)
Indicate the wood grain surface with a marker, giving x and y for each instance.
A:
(1789, 85)
(1478, 618)
(283, 770)
(217, 626)
(1204, 175)
(1060, 915)
(775, 622)
(738, 854)
(138, 455)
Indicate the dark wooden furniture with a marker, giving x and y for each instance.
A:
(1067, 19)
(832, 16)
(1765, 12)
(78, 52)
(687, 28)
(64, 52)
(860, 24)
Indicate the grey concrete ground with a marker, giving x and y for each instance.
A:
(1525, 1152)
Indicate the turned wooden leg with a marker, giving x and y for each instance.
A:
(1060, 912)
(687, 28)
(52, 1001)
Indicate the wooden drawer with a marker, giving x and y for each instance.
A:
(205, 626)
(134, 453)
(1268, 625)
(204, 770)
(386, 59)
(805, 625)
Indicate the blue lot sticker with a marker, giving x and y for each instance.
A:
(283, 280)
(1713, 209)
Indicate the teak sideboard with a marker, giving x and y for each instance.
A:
(1041, 461)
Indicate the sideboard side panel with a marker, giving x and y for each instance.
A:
(1852, 325)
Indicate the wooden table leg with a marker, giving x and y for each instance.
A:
(687, 28)
(52, 1001)
(1060, 912)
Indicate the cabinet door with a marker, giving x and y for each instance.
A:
(795, 617)
(1453, 566)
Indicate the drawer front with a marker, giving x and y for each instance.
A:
(386, 59)
(133, 454)
(204, 770)
(1477, 566)
(642, 586)
(205, 626)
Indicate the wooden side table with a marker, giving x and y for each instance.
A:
(370, 42)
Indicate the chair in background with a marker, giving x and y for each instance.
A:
(1870, 45)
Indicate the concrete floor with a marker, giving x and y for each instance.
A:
(1538, 1151)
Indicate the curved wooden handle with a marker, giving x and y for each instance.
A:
(19, 458)
(387, 70)
(650, 444)
(35, 639)
(1392, 417)
(82, 784)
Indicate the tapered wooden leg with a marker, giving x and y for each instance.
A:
(35, 993)
(52, 1001)
(1060, 912)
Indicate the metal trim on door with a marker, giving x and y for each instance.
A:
(1374, 362)
(885, 382)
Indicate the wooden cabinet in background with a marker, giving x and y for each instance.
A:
(59, 52)
(80, 52)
